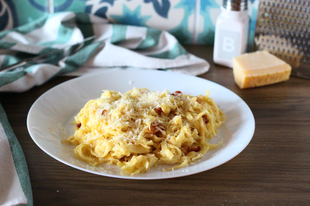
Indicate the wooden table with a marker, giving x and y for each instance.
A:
(273, 170)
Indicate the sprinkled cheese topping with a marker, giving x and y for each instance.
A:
(141, 128)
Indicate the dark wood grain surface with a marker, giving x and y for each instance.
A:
(273, 170)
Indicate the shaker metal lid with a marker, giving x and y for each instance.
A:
(235, 5)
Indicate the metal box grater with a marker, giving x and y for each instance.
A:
(283, 29)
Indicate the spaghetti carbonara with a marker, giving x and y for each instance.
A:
(141, 128)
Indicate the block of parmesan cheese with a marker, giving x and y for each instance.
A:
(258, 69)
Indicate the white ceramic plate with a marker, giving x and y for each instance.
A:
(49, 119)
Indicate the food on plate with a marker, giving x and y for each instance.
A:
(139, 129)
(259, 69)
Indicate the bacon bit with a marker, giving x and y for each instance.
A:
(158, 134)
(159, 110)
(184, 149)
(176, 93)
(205, 118)
(153, 129)
(171, 115)
(153, 148)
(187, 149)
(125, 158)
(103, 112)
(198, 100)
(195, 148)
(78, 125)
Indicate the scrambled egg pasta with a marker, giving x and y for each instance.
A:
(141, 128)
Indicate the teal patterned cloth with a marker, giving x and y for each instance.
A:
(15, 187)
(190, 21)
(114, 46)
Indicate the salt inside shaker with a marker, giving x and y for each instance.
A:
(231, 32)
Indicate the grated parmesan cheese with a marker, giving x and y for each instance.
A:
(141, 128)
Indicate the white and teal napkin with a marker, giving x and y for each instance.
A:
(15, 188)
(125, 46)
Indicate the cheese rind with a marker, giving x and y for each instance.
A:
(259, 69)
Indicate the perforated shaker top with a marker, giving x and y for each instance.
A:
(283, 28)
(235, 5)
